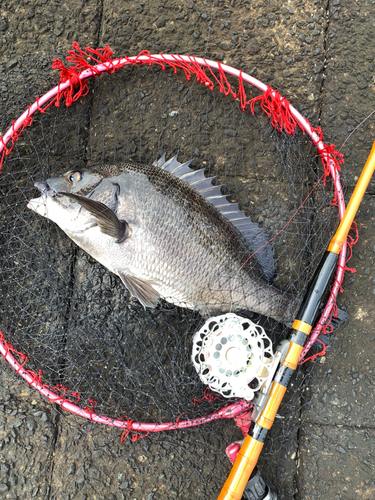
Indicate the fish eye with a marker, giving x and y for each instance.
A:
(74, 177)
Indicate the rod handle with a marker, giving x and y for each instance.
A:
(243, 466)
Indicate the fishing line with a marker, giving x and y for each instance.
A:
(289, 221)
(356, 128)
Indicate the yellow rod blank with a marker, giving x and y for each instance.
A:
(301, 326)
(268, 414)
(293, 355)
(339, 239)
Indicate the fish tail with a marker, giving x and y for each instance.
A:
(271, 302)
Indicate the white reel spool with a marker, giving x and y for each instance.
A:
(232, 355)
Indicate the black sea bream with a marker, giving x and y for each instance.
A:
(168, 233)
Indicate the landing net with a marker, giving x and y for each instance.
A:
(69, 327)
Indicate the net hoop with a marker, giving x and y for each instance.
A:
(283, 117)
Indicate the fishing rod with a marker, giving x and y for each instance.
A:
(251, 448)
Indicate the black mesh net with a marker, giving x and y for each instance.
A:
(74, 319)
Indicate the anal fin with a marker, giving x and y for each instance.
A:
(141, 289)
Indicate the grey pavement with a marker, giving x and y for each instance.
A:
(322, 60)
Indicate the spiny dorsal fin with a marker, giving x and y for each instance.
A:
(253, 234)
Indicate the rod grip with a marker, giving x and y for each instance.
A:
(243, 466)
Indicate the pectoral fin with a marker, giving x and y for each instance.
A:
(141, 289)
(107, 220)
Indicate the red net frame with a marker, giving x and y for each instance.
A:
(89, 63)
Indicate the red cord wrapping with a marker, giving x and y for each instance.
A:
(244, 421)
(327, 328)
(328, 154)
(15, 135)
(272, 103)
(135, 435)
(58, 389)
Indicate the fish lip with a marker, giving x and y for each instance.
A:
(45, 189)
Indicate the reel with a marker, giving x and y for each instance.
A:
(233, 356)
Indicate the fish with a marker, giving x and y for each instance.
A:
(168, 233)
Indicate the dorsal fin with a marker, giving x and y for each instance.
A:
(253, 234)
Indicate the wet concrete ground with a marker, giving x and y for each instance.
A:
(323, 62)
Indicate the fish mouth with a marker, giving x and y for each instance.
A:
(45, 189)
(39, 204)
